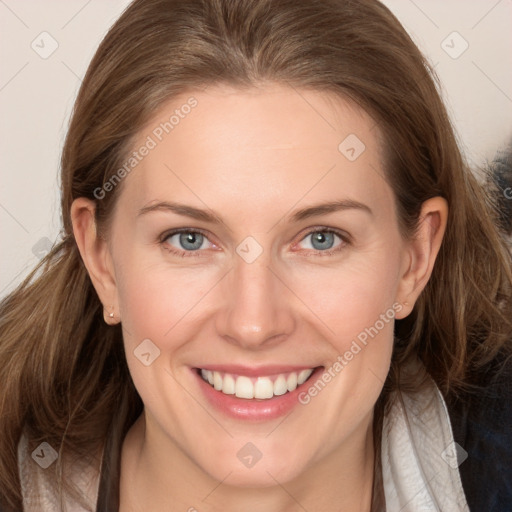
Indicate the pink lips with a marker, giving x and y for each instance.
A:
(253, 409)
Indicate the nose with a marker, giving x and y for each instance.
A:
(256, 307)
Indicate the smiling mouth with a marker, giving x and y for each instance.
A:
(262, 388)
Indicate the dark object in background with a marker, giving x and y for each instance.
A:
(482, 420)
(501, 168)
(482, 426)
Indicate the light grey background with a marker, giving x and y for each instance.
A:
(37, 91)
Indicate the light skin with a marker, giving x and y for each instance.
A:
(255, 157)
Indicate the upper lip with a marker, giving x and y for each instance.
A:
(255, 371)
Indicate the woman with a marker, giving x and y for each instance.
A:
(275, 273)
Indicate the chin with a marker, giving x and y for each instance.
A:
(264, 473)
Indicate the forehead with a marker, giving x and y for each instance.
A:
(270, 147)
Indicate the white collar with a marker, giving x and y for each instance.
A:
(420, 459)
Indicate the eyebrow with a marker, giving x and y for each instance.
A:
(181, 209)
(330, 207)
(209, 216)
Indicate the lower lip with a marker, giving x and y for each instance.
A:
(253, 409)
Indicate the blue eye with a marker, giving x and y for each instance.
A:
(323, 240)
(185, 241)
(191, 241)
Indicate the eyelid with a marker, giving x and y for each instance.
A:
(163, 237)
(328, 229)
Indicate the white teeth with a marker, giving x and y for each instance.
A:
(291, 381)
(244, 388)
(303, 376)
(280, 386)
(228, 385)
(217, 381)
(260, 388)
(263, 388)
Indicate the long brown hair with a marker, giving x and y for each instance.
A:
(63, 373)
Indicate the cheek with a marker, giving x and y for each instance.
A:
(354, 306)
(153, 301)
(161, 305)
(351, 298)
(355, 310)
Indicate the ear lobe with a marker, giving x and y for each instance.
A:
(95, 255)
(422, 252)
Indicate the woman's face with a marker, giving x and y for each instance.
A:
(290, 259)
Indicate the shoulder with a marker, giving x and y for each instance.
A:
(35, 487)
(36, 466)
(482, 427)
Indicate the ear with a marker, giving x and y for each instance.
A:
(421, 253)
(96, 256)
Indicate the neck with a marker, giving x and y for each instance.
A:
(169, 478)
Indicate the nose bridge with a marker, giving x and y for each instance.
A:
(257, 309)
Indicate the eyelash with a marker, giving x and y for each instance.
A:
(320, 229)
